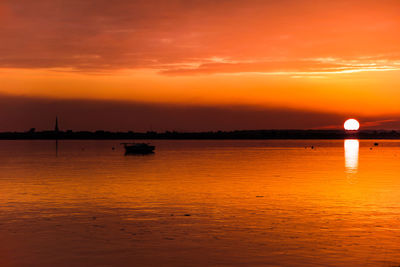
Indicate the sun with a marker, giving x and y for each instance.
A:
(351, 125)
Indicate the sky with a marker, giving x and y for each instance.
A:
(199, 64)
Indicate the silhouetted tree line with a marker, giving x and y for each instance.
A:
(245, 134)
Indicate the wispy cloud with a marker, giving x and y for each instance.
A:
(311, 68)
(375, 123)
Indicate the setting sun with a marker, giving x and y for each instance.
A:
(351, 125)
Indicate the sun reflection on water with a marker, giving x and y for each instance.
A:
(351, 148)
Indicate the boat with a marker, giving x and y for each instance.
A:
(138, 148)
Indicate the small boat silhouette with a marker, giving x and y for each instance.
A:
(138, 148)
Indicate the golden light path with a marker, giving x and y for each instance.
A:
(351, 148)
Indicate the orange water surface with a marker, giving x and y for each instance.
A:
(200, 203)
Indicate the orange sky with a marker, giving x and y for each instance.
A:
(327, 57)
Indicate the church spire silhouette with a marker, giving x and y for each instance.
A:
(56, 126)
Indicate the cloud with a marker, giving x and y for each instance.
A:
(23, 113)
(296, 68)
(388, 123)
(200, 37)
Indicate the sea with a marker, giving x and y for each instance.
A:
(200, 203)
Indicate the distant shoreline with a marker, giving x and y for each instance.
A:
(216, 135)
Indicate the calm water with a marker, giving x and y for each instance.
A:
(250, 203)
